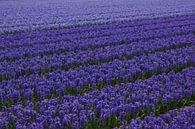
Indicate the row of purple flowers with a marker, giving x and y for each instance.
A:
(112, 106)
(63, 43)
(46, 64)
(183, 118)
(76, 81)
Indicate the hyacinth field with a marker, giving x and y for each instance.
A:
(97, 64)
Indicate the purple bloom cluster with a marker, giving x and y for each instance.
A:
(100, 55)
(176, 119)
(59, 82)
(110, 102)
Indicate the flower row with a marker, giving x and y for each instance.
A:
(44, 37)
(65, 61)
(175, 119)
(89, 78)
(109, 107)
(58, 47)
